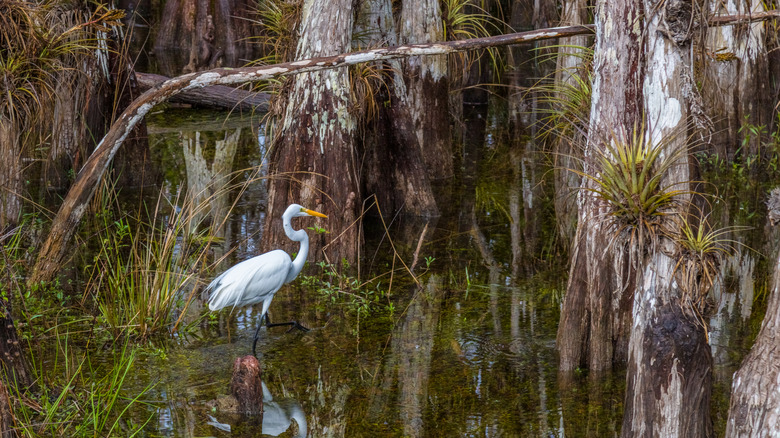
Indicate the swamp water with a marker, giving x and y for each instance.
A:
(470, 351)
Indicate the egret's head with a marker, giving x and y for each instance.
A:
(296, 210)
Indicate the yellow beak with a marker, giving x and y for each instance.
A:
(313, 213)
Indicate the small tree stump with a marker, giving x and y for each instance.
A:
(246, 385)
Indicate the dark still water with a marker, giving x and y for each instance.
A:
(469, 351)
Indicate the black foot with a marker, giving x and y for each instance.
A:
(293, 324)
(297, 325)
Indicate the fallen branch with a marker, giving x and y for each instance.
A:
(215, 96)
(73, 207)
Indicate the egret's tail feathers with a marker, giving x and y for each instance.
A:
(218, 298)
(224, 293)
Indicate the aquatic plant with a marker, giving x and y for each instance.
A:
(340, 288)
(141, 273)
(145, 274)
(83, 401)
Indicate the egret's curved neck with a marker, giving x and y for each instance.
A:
(303, 251)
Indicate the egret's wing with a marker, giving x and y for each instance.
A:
(250, 281)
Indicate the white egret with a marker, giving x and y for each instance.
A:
(257, 279)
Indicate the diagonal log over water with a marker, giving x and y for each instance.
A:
(71, 211)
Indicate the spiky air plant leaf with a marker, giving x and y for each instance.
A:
(467, 19)
(628, 176)
(701, 249)
(366, 81)
(278, 21)
(565, 104)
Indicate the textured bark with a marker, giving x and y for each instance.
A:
(735, 79)
(754, 408)
(246, 385)
(669, 376)
(132, 166)
(314, 161)
(568, 65)
(590, 332)
(199, 34)
(12, 357)
(427, 86)
(395, 170)
(216, 96)
(68, 141)
(7, 427)
(10, 174)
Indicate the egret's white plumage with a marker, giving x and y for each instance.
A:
(258, 278)
(251, 281)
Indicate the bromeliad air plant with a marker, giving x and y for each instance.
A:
(628, 175)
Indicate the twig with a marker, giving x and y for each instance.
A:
(419, 246)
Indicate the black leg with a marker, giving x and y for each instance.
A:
(257, 333)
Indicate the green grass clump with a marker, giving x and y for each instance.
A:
(74, 398)
(146, 274)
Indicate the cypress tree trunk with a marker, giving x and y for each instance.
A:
(10, 173)
(594, 326)
(754, 409)
(568, 66)
(669, 377)
(735, 81)
(395, 170)
(314, 161)
(427, 86)
(195, 35)
(68, 129)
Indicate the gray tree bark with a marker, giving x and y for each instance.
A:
(754, 408)
(669, 376)
(569, 65)
(10, 174)
(735, 79)
(395, 170)
(594, 325)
